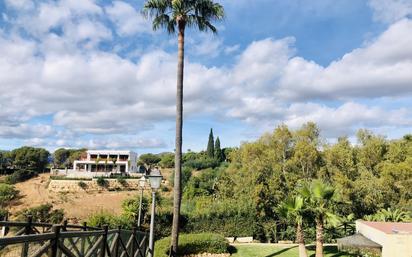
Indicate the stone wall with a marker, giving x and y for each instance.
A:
(91, 185)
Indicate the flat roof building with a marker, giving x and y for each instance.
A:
(107, 161)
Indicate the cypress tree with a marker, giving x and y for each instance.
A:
(218, 151)
(210, 145)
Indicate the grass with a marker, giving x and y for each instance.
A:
(261, 250)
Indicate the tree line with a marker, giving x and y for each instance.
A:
(289, 172)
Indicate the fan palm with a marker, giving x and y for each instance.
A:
(320, 197)
(176, 16)
(293, 210)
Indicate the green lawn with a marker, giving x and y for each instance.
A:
(262, 250)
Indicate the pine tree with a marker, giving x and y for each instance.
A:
(210, 145)
(218, 151)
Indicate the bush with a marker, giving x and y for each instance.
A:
(194, 244)
(7, 193)
(102, 182)
(82, 185)
(20, 176)
(122, 181)
(105, 218)
(42, 213)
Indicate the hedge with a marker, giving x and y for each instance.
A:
(194, 244)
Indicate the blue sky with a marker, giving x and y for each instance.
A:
(93, 74)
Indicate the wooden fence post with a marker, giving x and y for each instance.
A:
(4, 229)
(119, 228)
(83, 240)
(55, 241)
(27, 231)
(104, 241)
(64, 228)
(133, 240)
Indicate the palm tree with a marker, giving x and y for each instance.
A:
(320, 197)
(177, 15)
(293, 210)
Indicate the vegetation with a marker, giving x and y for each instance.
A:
(42, 213)
(20, 176)
(293, 209)
(82, 185)
(64, 158)
(177, 15)
(167, 160)
(29, 158)
(101, 181)
(210, 150)
(7, 194)
(193, 244)
(338, 183)
(149, 159)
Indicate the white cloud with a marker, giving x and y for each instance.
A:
(345, 119)
(127, 19)
(87, 91)
(25, 131)
(391, 10)
(381, 68)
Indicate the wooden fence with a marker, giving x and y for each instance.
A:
(31, 239)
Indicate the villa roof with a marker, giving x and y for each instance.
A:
(390, 227)
(110, 152)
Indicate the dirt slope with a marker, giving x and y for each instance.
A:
(77, 205)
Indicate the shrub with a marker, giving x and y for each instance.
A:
(105, 218)
(82, 185)
(102, 182)
(42, 213)
(20, 176)
(7, 193)
(194, 244)
(122, 181)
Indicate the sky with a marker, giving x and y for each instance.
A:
(94, 74)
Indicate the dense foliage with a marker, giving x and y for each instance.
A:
(194, 244)
(29, 158)
(371, 175)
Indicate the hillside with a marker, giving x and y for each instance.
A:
(77, 205)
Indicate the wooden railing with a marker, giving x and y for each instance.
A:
(31, 239)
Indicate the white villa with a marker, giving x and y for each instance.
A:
(107, 161)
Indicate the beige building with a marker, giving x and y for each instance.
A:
(391, 239)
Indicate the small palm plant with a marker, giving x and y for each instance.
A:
(389, 215)
(293, 210)
(320, 197)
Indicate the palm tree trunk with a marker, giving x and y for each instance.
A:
(177, 194)
(301, 241)
(319, 237)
